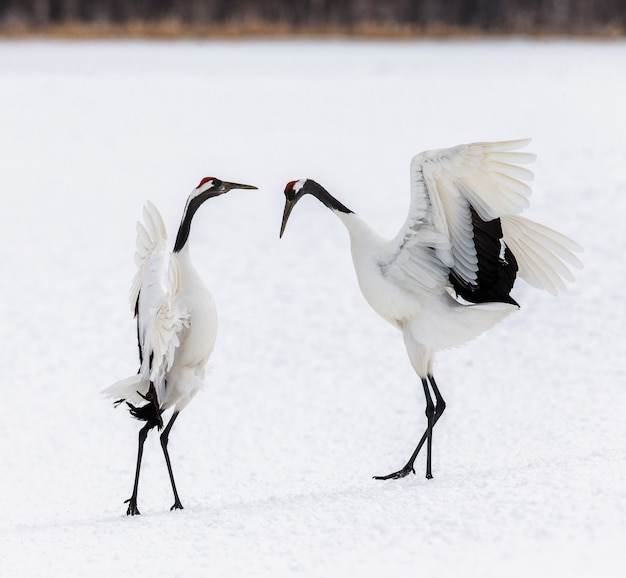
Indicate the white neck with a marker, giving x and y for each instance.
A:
(362, 237)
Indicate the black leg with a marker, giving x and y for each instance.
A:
(430, 417)
(164, 440)
(132, 501)
(440, 406)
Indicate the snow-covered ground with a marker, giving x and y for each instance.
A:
(310, 393)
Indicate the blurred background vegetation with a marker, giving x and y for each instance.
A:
(272, 17)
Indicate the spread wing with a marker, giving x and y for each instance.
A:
(464, 225)
(154, 293)
(456, 194)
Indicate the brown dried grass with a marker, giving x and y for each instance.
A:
(175, 29)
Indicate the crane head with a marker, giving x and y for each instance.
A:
(213, 187)
(294, 191)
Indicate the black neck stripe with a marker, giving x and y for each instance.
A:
(185, 223)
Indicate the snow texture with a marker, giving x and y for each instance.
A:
(310, 393)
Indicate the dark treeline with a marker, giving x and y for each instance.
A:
(558, 16)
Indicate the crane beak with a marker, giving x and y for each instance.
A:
(228, 186)
(289, 205)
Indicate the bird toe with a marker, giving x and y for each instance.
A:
(405, 471)
(132, 507)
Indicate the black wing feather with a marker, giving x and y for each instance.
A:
(497, 270)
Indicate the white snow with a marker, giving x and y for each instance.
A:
(310, 393)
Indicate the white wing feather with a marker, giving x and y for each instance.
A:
(168, 324)
(154, 297)
(542, 254)
(150, 254)
(444, 183)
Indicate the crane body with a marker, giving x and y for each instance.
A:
(176, 326)
(447, 276)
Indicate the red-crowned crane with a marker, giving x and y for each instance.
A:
(176, 326)
(446, 277)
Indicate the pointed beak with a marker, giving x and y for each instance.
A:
(289, 205)
(228, 186)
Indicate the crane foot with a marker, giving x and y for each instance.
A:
(405, 471)
(132, 507)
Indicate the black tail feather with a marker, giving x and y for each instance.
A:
(150, 413)
(147, 413)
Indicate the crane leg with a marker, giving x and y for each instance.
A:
(132, 501)
(164, 440)
(430, 414)
(436, 412)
